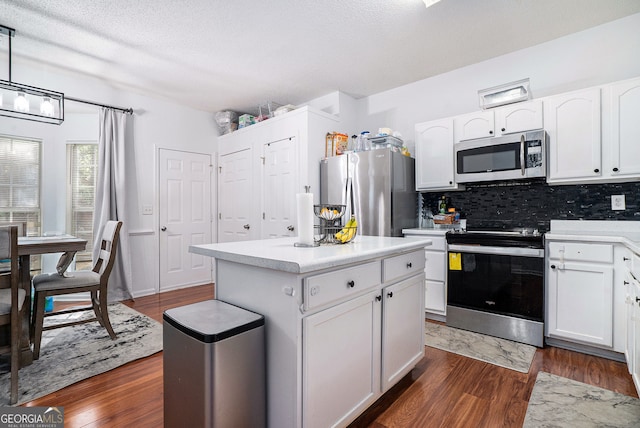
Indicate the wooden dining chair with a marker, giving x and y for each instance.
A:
(12, 298)
(5, 264)
(94, 281)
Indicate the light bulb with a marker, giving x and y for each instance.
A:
(46, 107)
(21, 103)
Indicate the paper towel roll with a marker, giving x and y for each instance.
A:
(304, 205)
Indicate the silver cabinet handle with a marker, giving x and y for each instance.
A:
(163, 228)
(246, 226)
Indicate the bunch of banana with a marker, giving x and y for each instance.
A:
(348, 231)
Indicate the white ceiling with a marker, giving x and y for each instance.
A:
(236, 54)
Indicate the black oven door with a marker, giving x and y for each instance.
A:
(499, 280)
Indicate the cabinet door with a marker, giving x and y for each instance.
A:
(237, 214)
(573, 124)
(474, 125)
(635, 372)
(630, 304)
(402, 329)
(519, 117)
(435, 165)
(279, 184)
(625, 129)
(435, 298)
(341, 361)
(580, 302)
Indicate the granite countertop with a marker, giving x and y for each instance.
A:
(281, 254)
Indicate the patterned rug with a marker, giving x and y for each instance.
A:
(492, 350)
(560, 402)
(69, 355)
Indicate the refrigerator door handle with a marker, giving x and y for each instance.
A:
(348, 196)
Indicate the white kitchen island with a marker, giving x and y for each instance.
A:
(343, 323)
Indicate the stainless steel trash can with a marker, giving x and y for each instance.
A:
(214, 366)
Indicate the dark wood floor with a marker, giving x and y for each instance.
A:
(444, 390)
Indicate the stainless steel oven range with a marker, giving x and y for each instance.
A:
(495, 284)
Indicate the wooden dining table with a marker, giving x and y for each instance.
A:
(34, 245)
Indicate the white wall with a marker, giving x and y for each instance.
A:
(600, 55)
(156, 124)
(603, 54)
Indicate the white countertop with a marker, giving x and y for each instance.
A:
(427, 231)
(623, 232)
(280, 254)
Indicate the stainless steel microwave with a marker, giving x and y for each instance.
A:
(511, 157)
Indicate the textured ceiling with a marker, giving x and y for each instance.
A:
(214, 54)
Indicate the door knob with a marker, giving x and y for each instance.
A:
(290, 228)
(163, 228)
(351, 284)
(390, 294)
(246, 226)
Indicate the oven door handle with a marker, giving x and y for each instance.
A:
(501, 251)
(522, 161)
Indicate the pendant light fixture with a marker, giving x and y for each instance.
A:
(16, 99)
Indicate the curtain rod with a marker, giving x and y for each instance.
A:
(125, 110)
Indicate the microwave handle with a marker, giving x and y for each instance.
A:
(522, 165)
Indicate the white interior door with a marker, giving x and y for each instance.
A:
(185, 217)
(236, 206)
(279, 184)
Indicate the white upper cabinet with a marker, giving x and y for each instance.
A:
(262, 167)
(623, 138)
(518, 117)
(573, 124)
(435, 164)
(508, 119)
(474, 125)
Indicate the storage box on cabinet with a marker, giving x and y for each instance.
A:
(337, 285)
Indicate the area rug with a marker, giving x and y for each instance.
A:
(560, 402)
(492, 350)
(69, 355)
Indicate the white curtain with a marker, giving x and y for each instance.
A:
(110, 198)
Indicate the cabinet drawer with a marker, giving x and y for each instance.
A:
(437, 244)
(581, 252)
(334, 286)
(403, 265)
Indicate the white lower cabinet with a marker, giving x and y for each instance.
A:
(341, 351)
(354, 351)
(402, 329)
(580, 293)
(634, 322)
(435, 274)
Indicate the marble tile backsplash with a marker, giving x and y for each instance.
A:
(507, 205)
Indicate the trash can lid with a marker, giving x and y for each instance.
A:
(212, 320)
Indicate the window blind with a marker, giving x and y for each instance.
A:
(20, 182)
(82, 161)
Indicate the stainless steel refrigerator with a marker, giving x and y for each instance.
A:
(378, 185)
